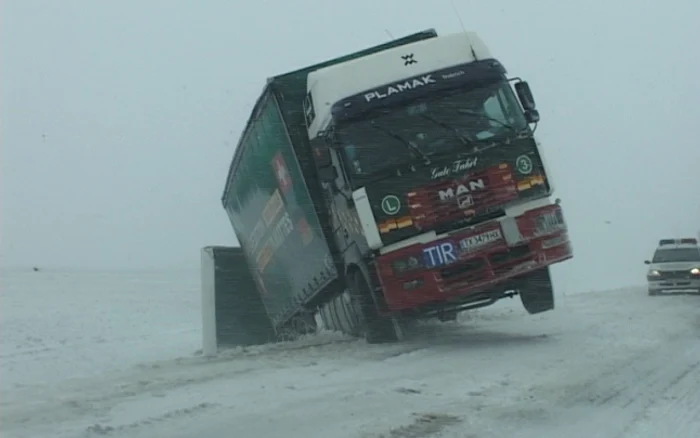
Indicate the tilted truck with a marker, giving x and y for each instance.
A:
(400, 182)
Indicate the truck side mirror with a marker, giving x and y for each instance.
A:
(532, 116)
(647, 262)
(525, 95)
(327, 174)
(527, 100)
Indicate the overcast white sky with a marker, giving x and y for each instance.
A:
(119, 118)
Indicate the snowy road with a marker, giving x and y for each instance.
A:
(603, 364)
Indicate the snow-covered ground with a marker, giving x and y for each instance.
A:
(116, 354)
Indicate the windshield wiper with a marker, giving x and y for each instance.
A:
(484, 116)
(409, 145)
(465, 141)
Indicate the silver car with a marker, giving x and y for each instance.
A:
(675, 267)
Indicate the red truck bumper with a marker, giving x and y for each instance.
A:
(473, 260)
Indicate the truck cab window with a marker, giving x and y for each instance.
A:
(340, 183)
(434, 125)
(494, 109)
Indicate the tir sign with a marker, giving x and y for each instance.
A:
(441, 254)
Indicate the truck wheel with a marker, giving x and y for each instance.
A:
(351, 312)
(339, 315)
(377, 328)
(653, 293)
(536, 291)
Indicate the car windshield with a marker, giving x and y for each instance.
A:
(432, 125)
(677, 255)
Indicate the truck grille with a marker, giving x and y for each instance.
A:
(477, 194)
(489, 265)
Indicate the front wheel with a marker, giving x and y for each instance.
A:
(377, 328)
(536, 291)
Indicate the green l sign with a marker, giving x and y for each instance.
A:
(391, 204)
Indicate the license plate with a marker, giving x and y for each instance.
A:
(472, 243)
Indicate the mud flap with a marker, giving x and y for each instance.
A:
(377, 328)
(536, 291)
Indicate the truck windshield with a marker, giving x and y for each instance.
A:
(677, 255)
(441, 123)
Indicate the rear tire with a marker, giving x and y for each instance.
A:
(653, 293)
(377, 329)
(536, 291)
(340, 314)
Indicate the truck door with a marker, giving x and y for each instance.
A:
(346, 224)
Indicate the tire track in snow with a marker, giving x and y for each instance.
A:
(617, 403)
(676, 413)
(95, 397)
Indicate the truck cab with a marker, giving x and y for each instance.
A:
(439, 194)
(675, 267)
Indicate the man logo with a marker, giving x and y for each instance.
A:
(462, 189)
(408, 59)
(465, 202)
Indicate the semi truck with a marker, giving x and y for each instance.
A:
(392, 184)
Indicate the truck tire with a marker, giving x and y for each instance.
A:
(350, 314)
(536, 291)
(339, 315)
(377, 329)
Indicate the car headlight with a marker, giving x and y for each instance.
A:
(695, 271)
(653, 273)
(406, 264)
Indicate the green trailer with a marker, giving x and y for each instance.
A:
(276, 206)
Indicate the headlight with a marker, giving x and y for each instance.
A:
(406, 264)
(653, 273)
(695, 271)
